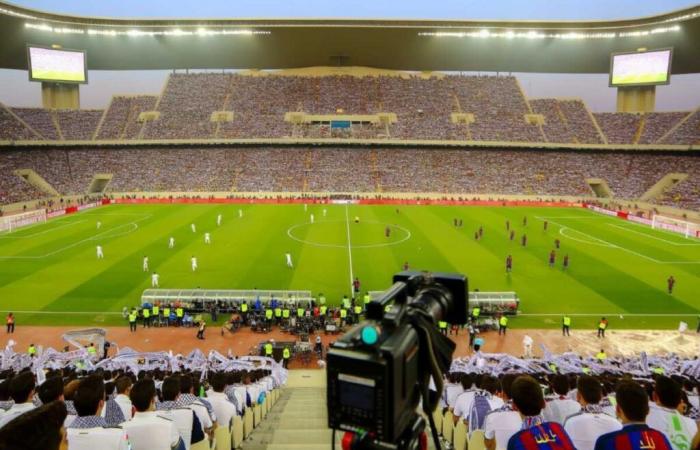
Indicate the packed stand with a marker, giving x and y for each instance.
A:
(688, 133)
(686, 194)
(618, 128)
(580, 122)
(40, 120)
(657, 124)
(133, 400)
(12, 129)
(14, 188)
(121, 118)
(78, 125)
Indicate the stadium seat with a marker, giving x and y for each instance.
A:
(201, 445)
(263, 409)
(222, 435)
(248, 423)
(460, 436)
(476, 441)
(437, 417)
(447, 426)
(257, 415)
(237, 432)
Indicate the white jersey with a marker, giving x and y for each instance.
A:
(100, 254)
(194, 229)
(218, 220)
(103, 438)
(306, 207)
(558, 409)
(324, 212)
(99, 224)
(678, 429)
(171, 242)
(584, 429)
(207, 238)
(145, 263)
(193, 260)
(154, 280)
(240, 213)
(151, 431)
(312, 218)
(501, 426)
(289, 259)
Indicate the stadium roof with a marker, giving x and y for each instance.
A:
(486, 46)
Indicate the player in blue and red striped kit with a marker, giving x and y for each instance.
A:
(632, 408)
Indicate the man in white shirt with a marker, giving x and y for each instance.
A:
(187, 399)
(123, 386)
(664, 415)
(463, 403)
(22, 391)
(453, 388)
(585, 427)
(560, 406)
(148, 430)
(502, 423)
(223, 408)
(185, 419)
(88, 430)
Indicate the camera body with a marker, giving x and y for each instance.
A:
(375, 370)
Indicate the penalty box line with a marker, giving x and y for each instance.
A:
(620, 247)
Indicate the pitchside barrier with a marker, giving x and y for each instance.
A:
(204, 297)
(490, 304)
(15, 221)
(657, 222)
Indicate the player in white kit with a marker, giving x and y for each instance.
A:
(154, 280)
(306, 207)
(171, 242)
(194, 229)
(100, 255)
(99, 224)
(312, 218)
(240, 213)
(145, 263)
(218, 220)
(207, 238)
(324, 212)
(289, 260)
(193, 260)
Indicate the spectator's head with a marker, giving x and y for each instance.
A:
(589, 390)
(490, 384)
(123, 385)
(89, 398)
(632, 402)
(186, 384)
(22, 387)
(4, 390)
(38, 429)
(527, 396)
(143, 395)
(560, 384)
(170, 388)
(507, 384)
(467, 381)
(667, 393)
(51, 390)
(218, 382)
(69, 389)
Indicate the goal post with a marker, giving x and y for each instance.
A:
(11, 223)
(687, 229)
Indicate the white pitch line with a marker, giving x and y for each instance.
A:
(678, 244)
(347, 227)
(612, 314)
(14, 311)
(38, 233)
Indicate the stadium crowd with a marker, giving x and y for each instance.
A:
(423, 106)
(274, 169)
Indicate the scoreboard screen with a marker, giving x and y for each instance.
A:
(57, 65)
(641, 68)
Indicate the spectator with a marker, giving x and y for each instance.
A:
(38, 429)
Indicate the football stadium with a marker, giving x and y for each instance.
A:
(378, 225)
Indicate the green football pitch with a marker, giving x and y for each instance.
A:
(49, 273)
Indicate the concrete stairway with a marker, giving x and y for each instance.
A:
(299, 420)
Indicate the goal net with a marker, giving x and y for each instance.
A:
(687, 229)
(11, 223)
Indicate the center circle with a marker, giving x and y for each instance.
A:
(363, 234)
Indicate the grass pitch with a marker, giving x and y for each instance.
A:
(49, 273)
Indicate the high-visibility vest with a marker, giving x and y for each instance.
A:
(278, 312)
(553, 367)
(601, 356)
(358, 309)
(268, 349)
(323, 310)
(442, 324)
(285, 313)
(503, 321)
(244, 307)
(300, 312)
(659, 370)
(146, 314)
(343, 313)
(132, 318)
(155, 310)
(92, 350)
(602, 325)
(31, 351)
(166, 312)
(346, 303)
(387, 308)
(586, 370)
(180, 312)
(268, 314)
(322, 300)
(567, 321)
(286, 353)
(476, 311)
(367, 298)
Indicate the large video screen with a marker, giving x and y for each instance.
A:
(58, 65)
(641, 68)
